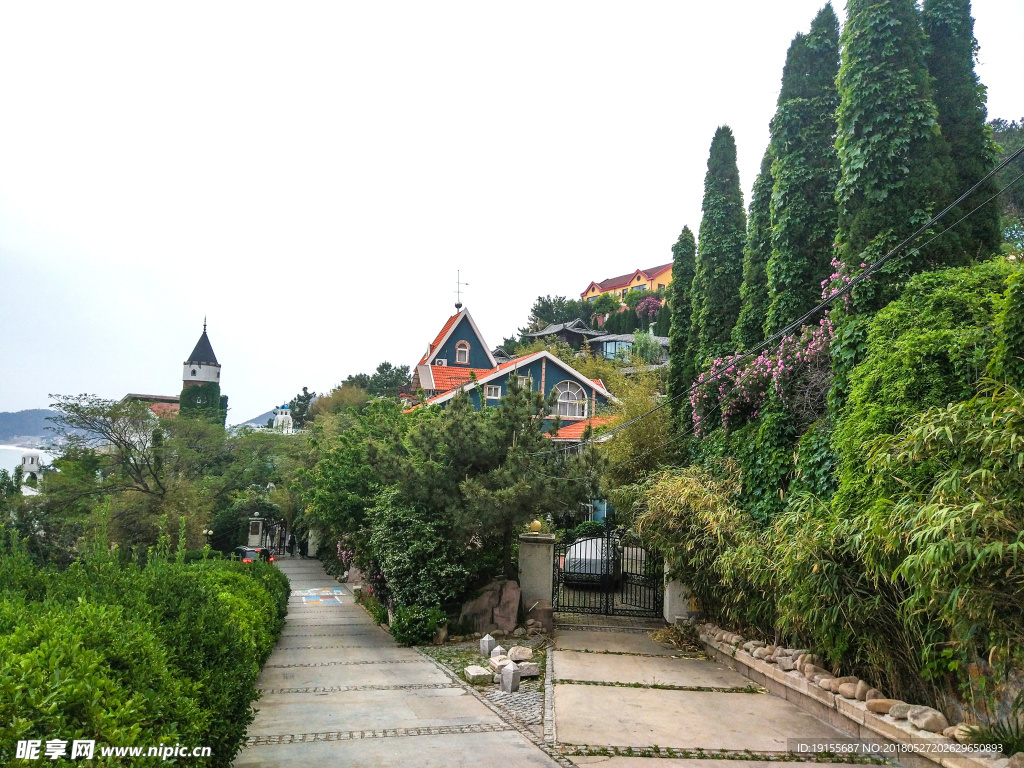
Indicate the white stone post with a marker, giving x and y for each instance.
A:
(255, 531)
(536, 576)
(677, 599)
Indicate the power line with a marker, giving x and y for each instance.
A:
(839, 293)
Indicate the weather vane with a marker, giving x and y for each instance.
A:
(458, 289)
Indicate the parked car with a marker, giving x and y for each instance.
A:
(252, 554)
(593, 561)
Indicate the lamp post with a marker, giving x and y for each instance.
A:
(208, 533)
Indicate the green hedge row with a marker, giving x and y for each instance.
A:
(134, 656)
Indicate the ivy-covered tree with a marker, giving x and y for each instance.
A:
(723, 232)
(960, 100)
(805, 171)
(299, 407)
(680, 362)
(203, 401)
(749, 330)
(895, 168)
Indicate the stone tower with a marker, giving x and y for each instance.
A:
(200, 388)
(202, 366)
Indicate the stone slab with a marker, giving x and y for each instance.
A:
(644, 669)
(464, 750)
(618, 642)
(643, 716)
(322, 652)
(420, 672)
(645, 762)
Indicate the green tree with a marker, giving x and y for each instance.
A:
(960, 100)
(895, 168)
(722, 237)
(547, 310)
(388, 380)
(805, 170)
(1009, 136)
(680, 366)
(749, 330)
(605, 303)
(299, 407)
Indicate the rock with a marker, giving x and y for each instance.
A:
(475, 675)
(441, 635)
(510, 678)
(531, 623)
(519, 632)
(759, 653)
(520, 653)
(497, 678)
(498, 651)
(532, 631)
(496, 607)
(528, 669)
(769, 649)
(499, 633)
(780, 652)
(498, 663)
(873, 694)
(786, 664)
(847, 690)
(824, 681)
(810, 670)
(771, 660)
(477, 635)
(862, 691)
(1017, 761)
(882, 706)
(928, 719)
(487, 644)
(750, 646)
(900, 711)
(847, 679)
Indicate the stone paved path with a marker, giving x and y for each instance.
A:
(339, 691)
(686, 704)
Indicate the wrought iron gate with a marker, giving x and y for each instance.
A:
(610, 574)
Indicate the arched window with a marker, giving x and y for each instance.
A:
(462, 352)
(193, 371)
(572, 400)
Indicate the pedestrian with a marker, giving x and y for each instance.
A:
(291, 544)
(303, 547)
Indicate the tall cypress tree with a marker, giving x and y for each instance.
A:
(894, 163)
(749, 330)
(722, 237)
(960, 100)
(680, 361)
(806, 171)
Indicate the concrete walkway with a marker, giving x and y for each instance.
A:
(622, 689)
(339, 691)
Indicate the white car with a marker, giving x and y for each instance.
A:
(588, 562)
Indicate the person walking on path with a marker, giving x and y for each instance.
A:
(303, 547)
(291, 545)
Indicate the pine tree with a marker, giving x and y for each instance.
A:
(722, 237)
(749, 330)
(680, 361)
(895, 168)
(960, 100)
(806, 171)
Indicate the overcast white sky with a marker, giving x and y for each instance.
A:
(310, 176)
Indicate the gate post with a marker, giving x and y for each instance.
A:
(536, 576)
(677, 599)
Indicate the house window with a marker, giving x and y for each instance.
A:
(525, 382)
(492, 392)
(571, 400)
(193, 371)
(462, 352)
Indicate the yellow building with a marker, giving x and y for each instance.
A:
(653, 279)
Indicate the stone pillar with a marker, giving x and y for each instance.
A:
(677, 599)
(536, 578)
(255, 531)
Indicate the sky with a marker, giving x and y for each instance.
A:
(311, 176)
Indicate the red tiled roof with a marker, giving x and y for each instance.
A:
(623, 280)
(575, 430)
(655, 271)
(599, 383)
(437, 339)
(448, 377)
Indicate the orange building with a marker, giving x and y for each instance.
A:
(653, 279)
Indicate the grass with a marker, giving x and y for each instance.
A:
(458, 656)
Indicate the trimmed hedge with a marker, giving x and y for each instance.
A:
(131, 655)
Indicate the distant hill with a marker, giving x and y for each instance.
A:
(258, 421)
(24, 426)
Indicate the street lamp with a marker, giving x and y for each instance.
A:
(208, 533)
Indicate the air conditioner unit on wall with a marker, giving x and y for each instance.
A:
(440, 361)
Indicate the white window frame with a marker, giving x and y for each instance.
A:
(492, 391)
(574, 408)
(462, 347)
(525, 382)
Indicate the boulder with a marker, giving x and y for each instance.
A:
(960, 733)
(496, 607)
(900, 711)
(759, 653)
(499, 633)
(847, 690)
(928, 719)
(773, 659)
(487, 644)
(810, 670)
(518, 631)
(531, 623)
(873, 693)
(751, 645)
(528, 669)
(475, 674)
(824, 681)
(862, 691)
(1017, 761)
(882, 706)
(786, 664)
(520, 653)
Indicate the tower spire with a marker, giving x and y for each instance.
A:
(204, 323)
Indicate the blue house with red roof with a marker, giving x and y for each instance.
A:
(458, 354)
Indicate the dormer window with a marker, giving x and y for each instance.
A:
(462, 353)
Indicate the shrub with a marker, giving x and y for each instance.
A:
(415, 624)
(588, 528)
(373, 607)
